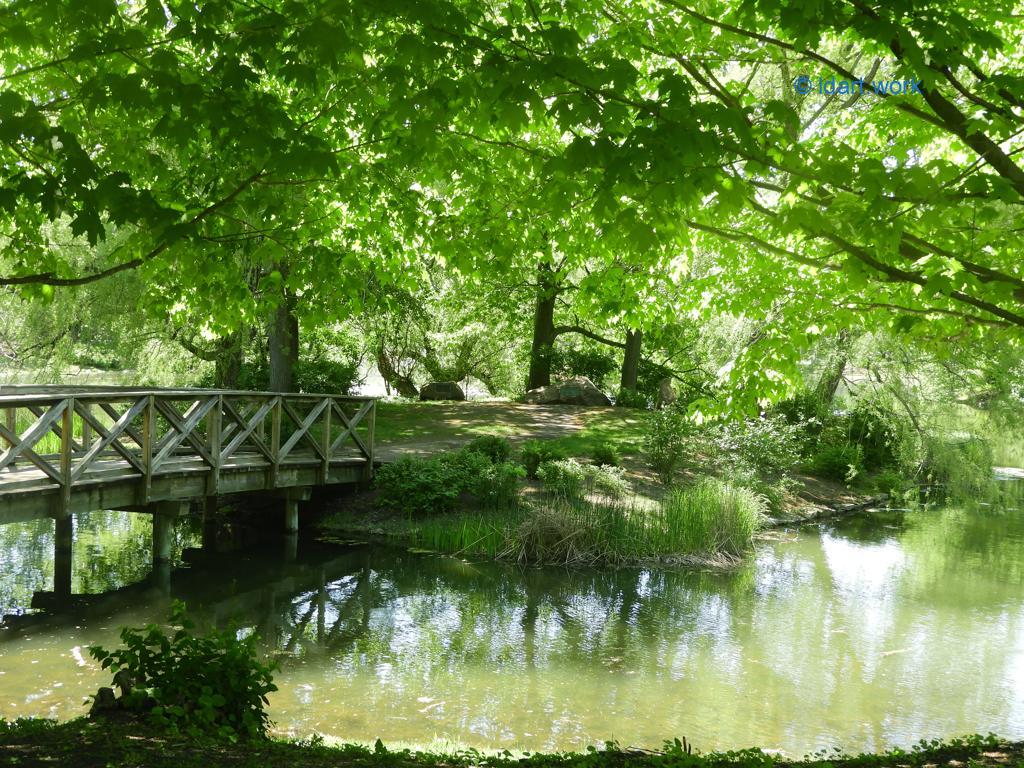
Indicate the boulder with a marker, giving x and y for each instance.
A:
(442, 390)
(577, 391)
(666, 392)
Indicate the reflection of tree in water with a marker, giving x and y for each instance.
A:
(425, 614)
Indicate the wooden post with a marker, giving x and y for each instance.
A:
(67, 442)
(275, 440)
(63, 539)
(325, 442)
(148, 440)
(371, 420)
(86, 428)
(213, 444)
(210, 524)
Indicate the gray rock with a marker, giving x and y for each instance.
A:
(666, 393)
(577, 391)
(442, 390)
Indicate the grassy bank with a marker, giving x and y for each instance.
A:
(87, 744)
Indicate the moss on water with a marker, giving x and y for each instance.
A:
(88, 744)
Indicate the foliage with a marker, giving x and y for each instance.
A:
(768, 446)
(433, 485)
(498, 485)
(536, 452)
(960, 468)
(497, 449)
(841, 461)
(605, 453)
(885, 436)
(583, 360)
(668, 442)
(212, 683)
(82, 742)
(570, 478)
(711, 516)
(564, 477)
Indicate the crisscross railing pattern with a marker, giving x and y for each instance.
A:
(78, 436)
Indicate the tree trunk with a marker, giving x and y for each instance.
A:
(544, 333)
(228, 365)
(832, 373)
(631, 360)
(401, 383)
(283, 347)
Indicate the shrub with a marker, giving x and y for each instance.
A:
(885, 436)
(570, 479)
(668, 441)
(431, 485)
(841, 462)
(563, 477)
(536, 452)
(606, 481)
(709, 517)
(769, 447)
(496, 448)
(631, 398)
(606, 454)
(211, 683)
(961, 467)
(498, 485)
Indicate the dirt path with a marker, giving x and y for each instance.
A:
(421, 429)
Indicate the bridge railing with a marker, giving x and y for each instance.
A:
(71, 436)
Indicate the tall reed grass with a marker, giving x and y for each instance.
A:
(710, 520)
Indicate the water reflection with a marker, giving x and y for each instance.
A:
(863, 633)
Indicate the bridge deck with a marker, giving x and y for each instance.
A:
(71, 450)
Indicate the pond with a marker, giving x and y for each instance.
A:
(862, 633)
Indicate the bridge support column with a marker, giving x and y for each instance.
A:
(210, 523)
(291, 515)
(63, 537)
(164, 515)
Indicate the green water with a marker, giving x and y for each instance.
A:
(869, 632)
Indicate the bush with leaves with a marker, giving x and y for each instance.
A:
(605, 454)
(569, 478)
(668, 442)
(198, 684)
(837, 461)
(497, 449)
(536, 452)
(497, 486)
(429, 485)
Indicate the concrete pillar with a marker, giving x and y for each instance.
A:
(161, 576)
(63, 538)
(210, 524)
(291, 515)
(291, 547)
(164, 515)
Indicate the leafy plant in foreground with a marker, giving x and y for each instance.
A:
(211, 683)
(536, 452)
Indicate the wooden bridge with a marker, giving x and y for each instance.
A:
(77, 449)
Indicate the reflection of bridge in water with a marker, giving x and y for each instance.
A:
(323, 600)
(167, 452)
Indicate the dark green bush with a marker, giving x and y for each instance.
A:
(498, 485)
(430, 485)
(632, 398)
(885, 434)
(594, 363)
(213, 683)
(498, 449)
(668, 442)
(606, 454)
(841, 462)
(536, 452)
